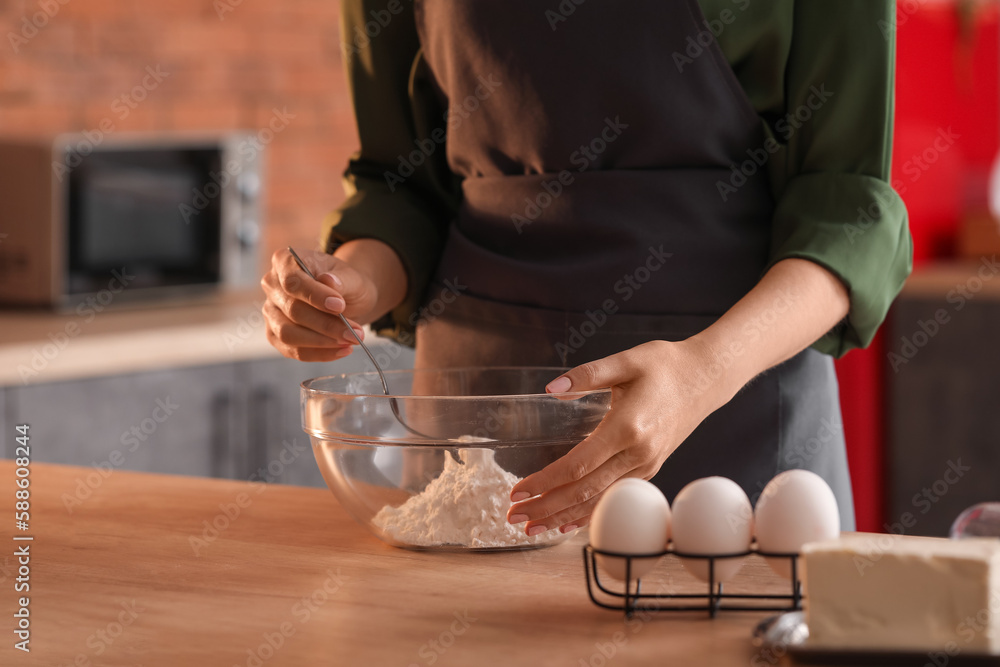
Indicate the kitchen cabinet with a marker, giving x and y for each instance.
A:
(170, 421)
(7, 425)
(275, 426)
(105, 396)
(228, 420)
(944, 384)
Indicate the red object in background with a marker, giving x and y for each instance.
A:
(947, 123)
(860, 374)
(930, 181)
(940, 84)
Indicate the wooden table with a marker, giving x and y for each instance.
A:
(293, 580)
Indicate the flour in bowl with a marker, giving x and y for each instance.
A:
(466, 505)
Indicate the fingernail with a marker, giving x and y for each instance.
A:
(351, 339)
(519, 496)
(518, 518)
(570, 527)
(559, 385)
(536, 530)
(337, 282)
(334, 303)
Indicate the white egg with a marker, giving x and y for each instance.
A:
(712, 516)
(632, 517)
(796, 507)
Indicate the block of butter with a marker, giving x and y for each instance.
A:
(893, 592)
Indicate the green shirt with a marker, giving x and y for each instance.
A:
(819, 74)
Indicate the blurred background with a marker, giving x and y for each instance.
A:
(228, 63)
(112, 385)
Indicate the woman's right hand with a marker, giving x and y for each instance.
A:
(302, 314)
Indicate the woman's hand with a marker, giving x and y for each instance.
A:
(363, 280)
(655, 405)
(655, 400)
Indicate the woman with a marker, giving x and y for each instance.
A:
(671, 198)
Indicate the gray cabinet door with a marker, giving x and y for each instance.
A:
(944, 424)
(178, 421)
(7, 423)
(276, 440)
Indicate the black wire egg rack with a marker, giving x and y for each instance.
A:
(630, 598)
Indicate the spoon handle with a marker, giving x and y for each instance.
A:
(381, 376)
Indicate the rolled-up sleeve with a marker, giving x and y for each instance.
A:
(399, 189)
(835, 204)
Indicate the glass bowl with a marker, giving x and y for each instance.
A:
(410, 490)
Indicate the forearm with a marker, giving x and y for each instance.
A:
(793, 305)
(380, 264)
(659, 396)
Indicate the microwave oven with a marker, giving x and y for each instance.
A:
(141, 215)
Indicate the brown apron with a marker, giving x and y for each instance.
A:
(591, 218)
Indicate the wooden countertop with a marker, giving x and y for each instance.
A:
(117, 582)
(131, 337)
(965, 279)
(38, 345)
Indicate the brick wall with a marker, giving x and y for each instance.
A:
(227, 64)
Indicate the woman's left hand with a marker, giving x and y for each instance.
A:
(661, 391)
(656, 403)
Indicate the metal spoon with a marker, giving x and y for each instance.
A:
(381, 376)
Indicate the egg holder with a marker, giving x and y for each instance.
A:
(713, 598)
